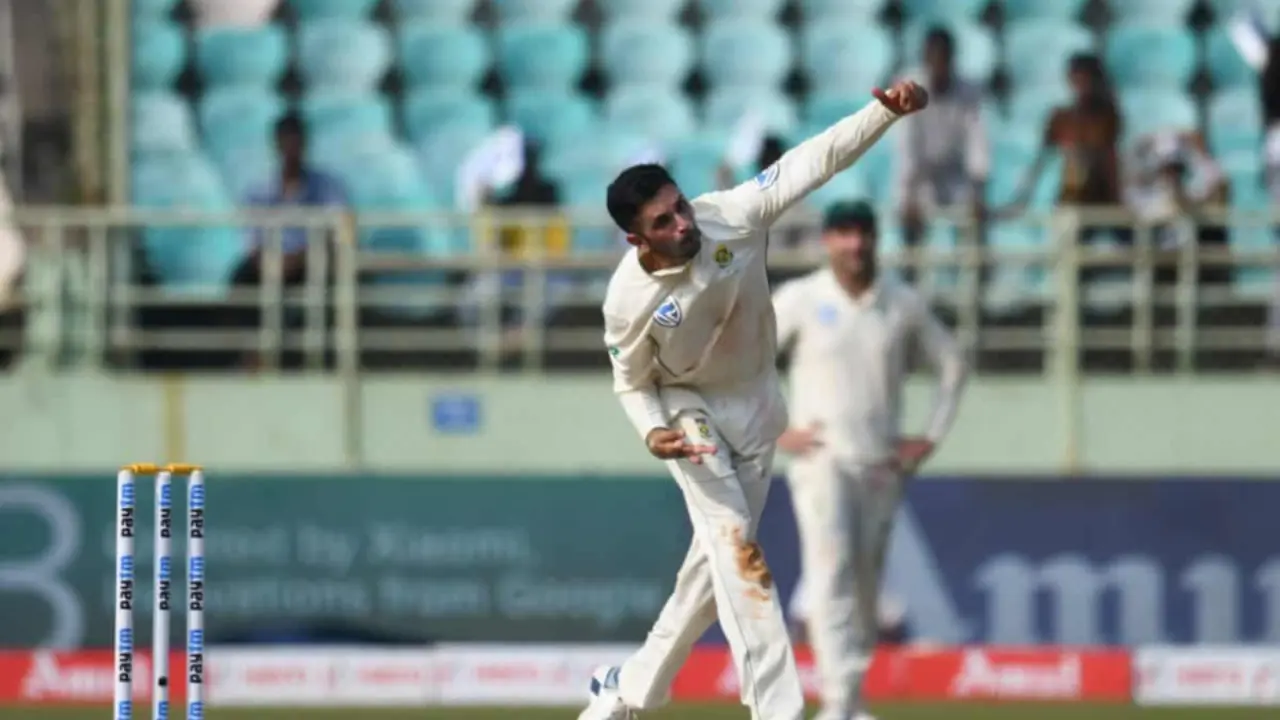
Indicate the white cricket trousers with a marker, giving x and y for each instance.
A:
(723, 576)
(845, 514)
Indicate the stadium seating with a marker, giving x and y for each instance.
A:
(1057, 10)
(152, 9)
(159, 51)
(340, 114)
(534, 10)
(656, 113)
(645, 11)
(542, 56)
(444, 12)
(1166, 12)
(1031, 106)
(345, 10)
(162, 122)
(1016, 284)
(841, 10)
(646, 53)
(1037, 50)
(187, 260)
(745, 52)
(1146, 55)
(725, 107)
(845, 54)
(1249, 196)
(234, 116)
(1269, 10)
(338, 53)
(253, 56)
(639, 84)
(1150, 109)
(426, 111)
(827, 108)
(440, 153)
(944, 11)
(1226, 67)
(766, 10)
(851, 183)
(441, 55)
(552, 117)
(695, 161)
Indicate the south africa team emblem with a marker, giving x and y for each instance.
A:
(723, 256)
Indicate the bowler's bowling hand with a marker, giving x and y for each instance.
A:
(668, 444)
(903, 97)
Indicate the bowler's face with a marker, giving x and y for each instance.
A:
(666, 226)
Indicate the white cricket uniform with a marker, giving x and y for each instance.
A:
(847, 372)
(694, 348)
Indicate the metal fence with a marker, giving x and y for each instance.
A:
(511, 297)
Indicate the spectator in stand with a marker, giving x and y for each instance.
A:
(1087, 135)
(535, 191)
(1272, 160)
(1172, 178)
(298, 184)
(945, 155)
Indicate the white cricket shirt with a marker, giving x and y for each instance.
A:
(849, 358)
(703, 336)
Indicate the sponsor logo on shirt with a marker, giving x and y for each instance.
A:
(723, 256)
(668, 314)
(827, 315)
(767, 178)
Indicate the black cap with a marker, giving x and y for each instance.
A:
(850, 215)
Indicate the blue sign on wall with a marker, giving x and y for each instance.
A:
(1086, 561)
(456, 414)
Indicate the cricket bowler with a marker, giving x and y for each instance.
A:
(690, 329)
(851, 329)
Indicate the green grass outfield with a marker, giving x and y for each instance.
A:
(689, 712)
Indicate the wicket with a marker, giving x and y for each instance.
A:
(126, 525)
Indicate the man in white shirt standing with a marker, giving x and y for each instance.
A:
(852, 329)
(690, 330)
(944, 156)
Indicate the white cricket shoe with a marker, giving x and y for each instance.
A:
(605, 703)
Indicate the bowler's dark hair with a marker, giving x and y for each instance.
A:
(634, 187)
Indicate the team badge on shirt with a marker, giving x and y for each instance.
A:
(704, 430)
(767, 178)
(723, 256)
(615, 351)
(668, 314)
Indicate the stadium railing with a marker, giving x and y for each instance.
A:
(1014, 307)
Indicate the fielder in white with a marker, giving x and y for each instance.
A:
(850, 329)
(690, 329)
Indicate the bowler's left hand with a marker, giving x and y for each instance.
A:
(903, 97)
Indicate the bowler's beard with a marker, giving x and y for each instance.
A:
(673, 255)
(686, 248)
